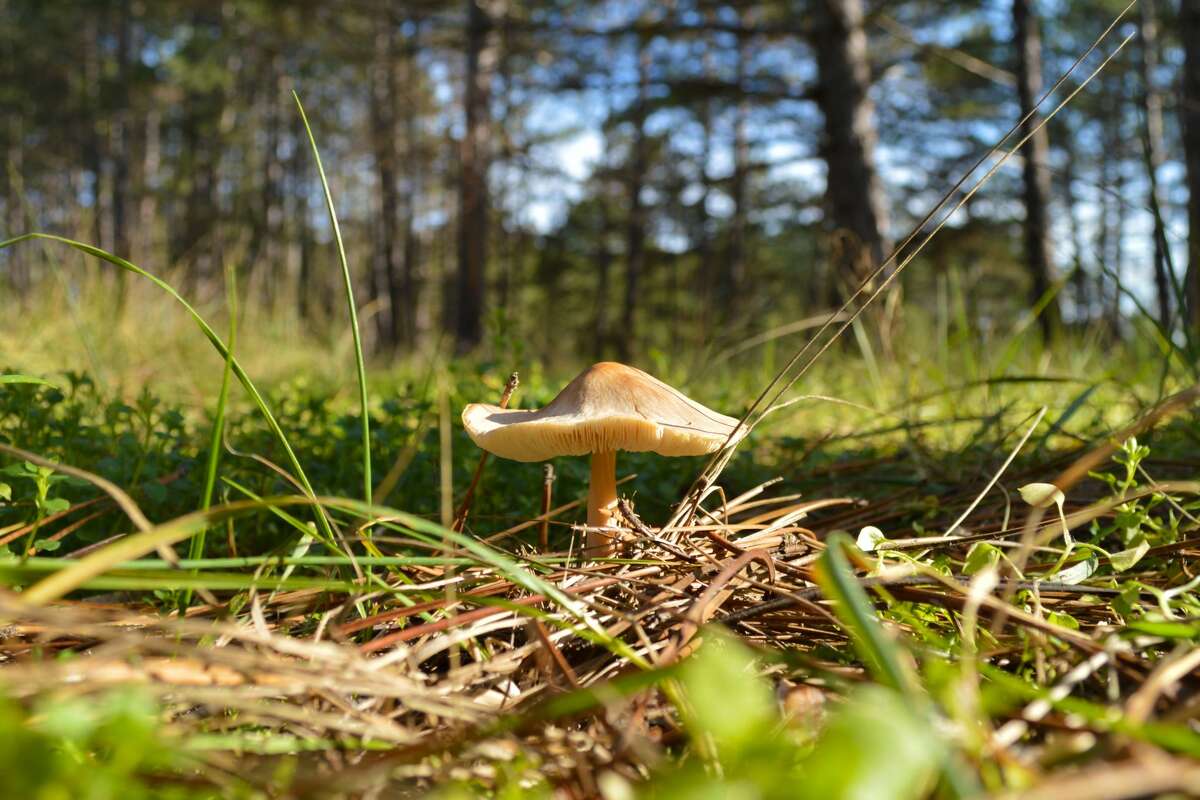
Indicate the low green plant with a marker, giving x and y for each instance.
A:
(870, 745)
(110, 747)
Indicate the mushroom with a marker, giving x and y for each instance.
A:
(608, 407)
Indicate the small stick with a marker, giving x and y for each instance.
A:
(460, 517)
(554, 512)
(635, 522)
(550, 654)
(547, 496)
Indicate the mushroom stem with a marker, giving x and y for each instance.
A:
(602, 502)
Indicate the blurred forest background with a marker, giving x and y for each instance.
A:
(607, 177)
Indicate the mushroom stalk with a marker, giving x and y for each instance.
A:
(602, 502)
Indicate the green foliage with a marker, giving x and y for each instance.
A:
(723, 666)
(871, 747)
(88, 748)
(874, 747)
(981, 556)
(134, 446)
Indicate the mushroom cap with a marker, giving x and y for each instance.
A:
(607, 407)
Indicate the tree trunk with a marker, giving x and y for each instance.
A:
(14, 258)
(1116, 212)
(635, 226)
(856, 208)
(1036, 174)
(148, 222)
(17, 261)
(504, 237)
(1152, 137)
(93, 136)
(1189, 34)
(705, 268)
(301, 231)
(271, 212)
(385, 272)
(733, 271)
(733, 267)
(1079, 276)
(603, 256)
(1109, 295)
(205, 120)
(408, 290)
(473, 190)
(262, 102)
(600, 335)
(119, 135)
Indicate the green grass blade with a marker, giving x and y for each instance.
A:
(214, 444)
(196, 550)
(134, 546)
(80, 572)
(290, 519)
(174, 580)
(306, 534)
(856, 613)
(46, 564)
(883, 656)
(12, 378)
(350, 304)
(1061, 422)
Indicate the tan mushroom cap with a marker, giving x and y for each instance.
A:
(608, 407)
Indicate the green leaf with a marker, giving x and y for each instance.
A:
(981, 556)
(56, 505)
(723, 665)
(73, 719)
(5, 491)
(156, 492)
(28, 379)
(1080, 572)
(1164, 628)
(1126, 559)
(1062, 620)
(874, 748)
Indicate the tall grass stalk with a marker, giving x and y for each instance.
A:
(359, 363)
(196, 549)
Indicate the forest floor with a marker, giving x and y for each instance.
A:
(963, 568)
